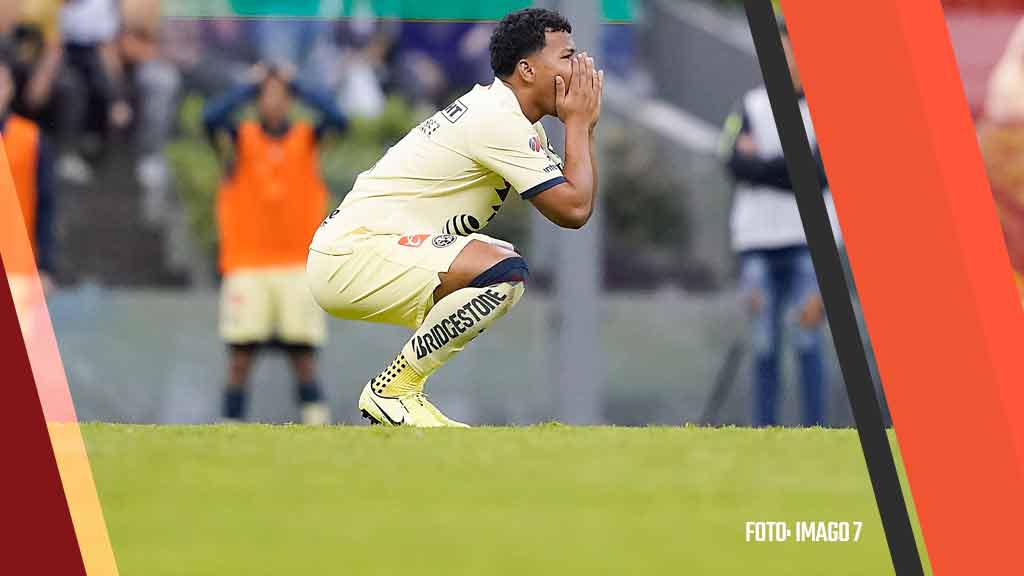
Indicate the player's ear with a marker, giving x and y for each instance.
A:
(525, 71)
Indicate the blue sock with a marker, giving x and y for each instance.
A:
(309, 392)
(234, 403)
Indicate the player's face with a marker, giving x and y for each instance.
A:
(551, 61)
(274, 101)
(6, 88)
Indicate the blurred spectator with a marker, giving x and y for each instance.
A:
(156, 81)
(353, 61)
(776, 273)
(31, 167)
(1001, 136)
(289, 40)
(46, 90)
(212, 55)
(270, 201)
(90, 30)
(1005, 98)
(433, 61)
(30, 29)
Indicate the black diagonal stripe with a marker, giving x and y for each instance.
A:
(503, 192)
(838, 306)
(388, 416)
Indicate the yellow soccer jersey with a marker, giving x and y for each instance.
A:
(451, 174)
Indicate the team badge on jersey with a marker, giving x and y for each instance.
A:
(413, 240)
(535, 144)
(442, 240)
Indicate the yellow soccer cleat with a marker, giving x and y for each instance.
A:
(448, 422)
(411, 409)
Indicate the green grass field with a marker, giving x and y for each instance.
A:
(254, 500)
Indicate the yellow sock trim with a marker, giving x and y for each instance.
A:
(398, 379)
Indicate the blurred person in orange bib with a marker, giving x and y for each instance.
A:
(31, 171)
(270, 201)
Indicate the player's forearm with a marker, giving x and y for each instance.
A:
(580, 171)
(40, 86)
(331, 117)
(760, 172)
(217, 114)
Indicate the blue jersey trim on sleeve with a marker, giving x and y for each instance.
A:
(542, 187)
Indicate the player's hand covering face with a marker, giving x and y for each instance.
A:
(578, 99)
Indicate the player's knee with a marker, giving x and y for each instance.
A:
(508, 276)
(512, 269)
(482, 265)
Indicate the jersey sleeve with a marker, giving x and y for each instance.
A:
(552, 155)
(517, 152)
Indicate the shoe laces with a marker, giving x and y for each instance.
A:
(422, 398)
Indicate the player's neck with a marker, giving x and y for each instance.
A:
(531, 110)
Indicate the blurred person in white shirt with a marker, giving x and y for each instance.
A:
(89, 29)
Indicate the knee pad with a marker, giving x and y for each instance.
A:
(510, 270)
(507, 277)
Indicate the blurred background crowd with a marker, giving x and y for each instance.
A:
(118, 89)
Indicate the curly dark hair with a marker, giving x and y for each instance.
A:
(520, 34)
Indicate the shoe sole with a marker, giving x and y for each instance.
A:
(377, 420)
(373, 421)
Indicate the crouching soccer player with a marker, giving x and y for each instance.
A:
(403, 248)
